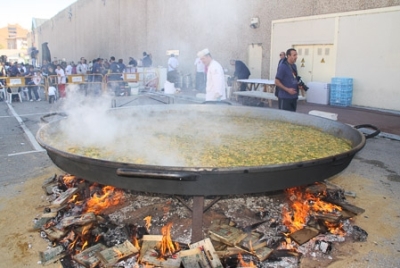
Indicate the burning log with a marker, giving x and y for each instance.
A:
(349, 207)
(149, 242)
(54, 234)
(252, 242)
(329, 217)
(111, 256)
(277, 254)
(227, 234)
(78, 220)
(64, 197)
(204, 252)
(88, 257)
(304, 235)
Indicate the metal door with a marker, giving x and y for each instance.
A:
(315, 62)
(255, 60)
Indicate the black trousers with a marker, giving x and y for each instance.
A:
(287, 104)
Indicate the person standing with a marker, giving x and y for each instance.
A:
(32, 86)
(286, 82)
(61, 81)
(200, 75)
(282, 57)
(241, 72)
(215, 87)
(172, 75)
(146, 61)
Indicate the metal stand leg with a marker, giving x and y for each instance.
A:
(197, 218)
(197, 215)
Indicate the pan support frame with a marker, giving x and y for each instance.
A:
(197, 209)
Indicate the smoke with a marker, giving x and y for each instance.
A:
(168, 135)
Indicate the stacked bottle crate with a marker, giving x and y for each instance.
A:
(341, 91)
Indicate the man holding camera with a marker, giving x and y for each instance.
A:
(286, 80)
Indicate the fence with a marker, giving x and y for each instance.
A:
(88, 84)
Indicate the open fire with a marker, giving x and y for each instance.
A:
(90, 225)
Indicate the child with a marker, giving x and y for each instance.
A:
(52, 94)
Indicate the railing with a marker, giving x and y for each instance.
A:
(91, 84)
(17, 85)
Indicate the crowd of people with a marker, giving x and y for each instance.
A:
(59, 70)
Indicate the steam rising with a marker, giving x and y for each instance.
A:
(140, 134)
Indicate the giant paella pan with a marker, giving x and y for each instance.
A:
(200, 149)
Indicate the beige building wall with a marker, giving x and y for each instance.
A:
(364, 48)
(123, 28)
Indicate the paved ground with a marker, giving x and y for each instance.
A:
(22, 158)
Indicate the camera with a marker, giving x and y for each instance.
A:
(301, 83)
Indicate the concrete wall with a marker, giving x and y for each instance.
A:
(365, 46)
(126, 28)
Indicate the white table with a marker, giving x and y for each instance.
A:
(255, 83)
(253, 86)
(261, 95)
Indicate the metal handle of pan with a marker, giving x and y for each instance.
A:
(44, 120)
(146, 174)
(371, 135)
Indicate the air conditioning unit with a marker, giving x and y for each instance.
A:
(254, 23)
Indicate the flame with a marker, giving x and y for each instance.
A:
(73, 199)
(99, 202)
(135, 242)
(167, 246)
(335, 229)
(242, 263)
(301, 204)
(148, 222)
(69, 180)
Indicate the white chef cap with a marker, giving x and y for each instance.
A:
(203, 52)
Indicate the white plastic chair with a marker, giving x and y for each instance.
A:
(14, 91)
(3, 91)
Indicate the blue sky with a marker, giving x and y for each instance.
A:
(22, 11)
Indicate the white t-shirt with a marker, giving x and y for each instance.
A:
(52, 91)
(200, 68)
(172, 64)
(68, 70)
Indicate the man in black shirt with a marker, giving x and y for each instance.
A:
(241, 72)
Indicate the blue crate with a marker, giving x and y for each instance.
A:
(341, 88)
(340, 95)
(340, 98)
(342, 80)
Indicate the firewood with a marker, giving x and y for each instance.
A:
(51, 255)
(111, 256)
(78, 220)
(329, 217)
(149, 242)
(64, 197)
(88, 257)
(263, 253)
(54, 234)
(346, 206)
(252, 241)
(227, 234)
(303, 235)
(204, 252)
